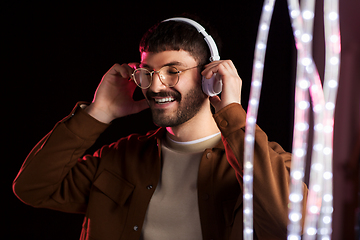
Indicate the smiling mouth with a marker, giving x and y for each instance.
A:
(164, 100)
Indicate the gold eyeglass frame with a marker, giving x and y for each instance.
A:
(160, 76)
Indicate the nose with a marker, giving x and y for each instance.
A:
(157, 84)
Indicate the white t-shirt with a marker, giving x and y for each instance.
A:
(173, 211)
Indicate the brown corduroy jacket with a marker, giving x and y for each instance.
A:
(113, 187)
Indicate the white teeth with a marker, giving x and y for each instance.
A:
(164, 100)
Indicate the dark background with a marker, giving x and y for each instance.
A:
(55, 54)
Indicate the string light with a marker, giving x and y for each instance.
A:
(320, 185)
(308, 87)
(258, 66)
(331, 77)
(302, 28)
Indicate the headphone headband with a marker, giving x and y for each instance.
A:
(208, 39)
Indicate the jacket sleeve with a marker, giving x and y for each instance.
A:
(271, 172)
(55, 175)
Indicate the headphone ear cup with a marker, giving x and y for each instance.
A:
(212, 86)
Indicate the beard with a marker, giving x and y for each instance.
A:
(189, 105)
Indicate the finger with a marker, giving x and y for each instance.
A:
(114, 69)
(213, 63)
(209, 70)
(134, 65)
(226, 64)
(123, 70)
(218, 68)
(230, 66)
(208, 73)
(126, 71)
(215, 66)
(215, 101)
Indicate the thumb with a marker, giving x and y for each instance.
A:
(215, 101)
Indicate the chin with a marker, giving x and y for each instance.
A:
(164, 120)
(188, 106)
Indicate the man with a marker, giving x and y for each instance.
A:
(182, 181)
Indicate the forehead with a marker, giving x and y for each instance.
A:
(158, 60)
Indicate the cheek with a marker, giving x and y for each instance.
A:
(198, 79)
(190, 81)
(196, 75)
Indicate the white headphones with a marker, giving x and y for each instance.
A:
(212, 86)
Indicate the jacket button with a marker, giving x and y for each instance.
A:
(149, 187)
(208, 155)
(136, 228)
(224, 123)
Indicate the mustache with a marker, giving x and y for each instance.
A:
(175, 94)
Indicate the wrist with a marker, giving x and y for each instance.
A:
(98, 113)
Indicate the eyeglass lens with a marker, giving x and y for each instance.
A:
(168, 75)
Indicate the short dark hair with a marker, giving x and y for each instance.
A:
(174, 35)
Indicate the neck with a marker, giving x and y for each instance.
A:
(200, 126)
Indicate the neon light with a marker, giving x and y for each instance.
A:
(320, 187)
(307, 73)
(258, 66)
(308, 84)
(331, 78)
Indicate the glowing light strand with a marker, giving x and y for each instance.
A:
(303, 39)
(320, 187)
(316, 93)
(302, 23)
(258, 65)
(307, 81)
(331, 79)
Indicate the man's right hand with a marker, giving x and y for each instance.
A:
(114, 95)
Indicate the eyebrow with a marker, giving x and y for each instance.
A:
(173, 63)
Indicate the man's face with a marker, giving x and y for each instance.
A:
(172, 106)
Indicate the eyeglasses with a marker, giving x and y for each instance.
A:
(168, 75)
